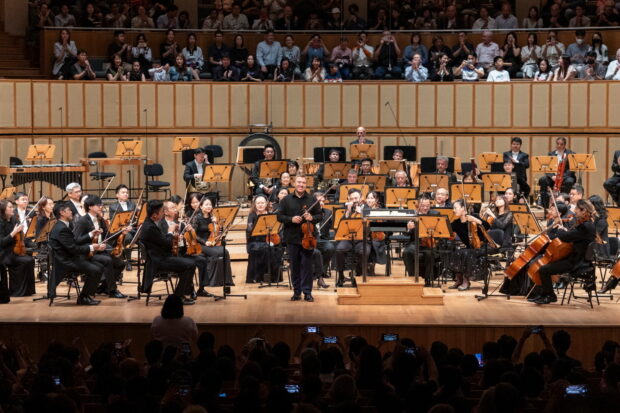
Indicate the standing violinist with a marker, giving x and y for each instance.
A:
(296, 209)
(207, 229)
(124, 204)
(428, 265)
(549, 180)
(466, 263)
(354, 207)
(521, 162)
(612, 184)
(20, 267)
(93, 221)
(159, 247)
(580, 235)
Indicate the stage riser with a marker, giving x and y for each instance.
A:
(391, 293)
(586, 341)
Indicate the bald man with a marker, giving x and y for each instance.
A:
(361, 136)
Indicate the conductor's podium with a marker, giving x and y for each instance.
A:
(390, 291)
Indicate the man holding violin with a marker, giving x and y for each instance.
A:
(299, 213)
(93, 223)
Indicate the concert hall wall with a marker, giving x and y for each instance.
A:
(458, 119)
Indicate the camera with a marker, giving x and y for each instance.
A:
(389, 337)
(184, 390)
(56, 380)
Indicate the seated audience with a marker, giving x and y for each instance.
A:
(251, 71)
(193, 56)
(530, 54)
(263, 22)
(316, 72)
(159, 73)
(64, 18)
(239, 53)
(416, 72)
(414, 47)
(443, 72)
(341, 57)
(213, 21)
(506, 20)
(169, 19)
(82, 70)
(499, 74)
(613, 70)
(91, 17)
(142, 20)
(236, 20)
(217, 50)
(267, 53)
(461, 50)
(169, 49)
(291, 52)
(598, 47)
(116, 17)
(284, 72)
(116, 71)
(333, 74)
(136, 74)
(288, 21)
(180, 72)
(487, 51)
(142, 53)
(65, 54)
(485, 21)
(226, 72)
(533, 19)
(315, 48)
(544, 72)
(469, 70)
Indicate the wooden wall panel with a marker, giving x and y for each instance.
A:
(597, 105)
(388, 94)
(75, 105)
(521, 101)
(7, 105)
(183, 117)
(112, 105)
(294, 106)
(427, 105)
(351, 104)
(332, 106)
(483, 113)
(559, 104)
(23, 104)
(312, 104)
(540, 105)
(165, 106)
(41, 106)
(58, 99)
(464, 101)
(463, 147)
(578, 115)
(202, 106)
(277, 110)
(93, 96)
(220, 105)
(260, 104)
(445, 106)
(406, 107)
(613, 104)
(502, 102)
(368, 103)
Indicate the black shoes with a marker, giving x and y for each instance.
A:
(128, 266)
(87, 300)
(116, 294)
(611, 283)
(309, 298)
(321, 283)
(547, 299)
(296, 297)
(188, 301)
(202, 293)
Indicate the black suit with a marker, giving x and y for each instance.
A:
(257, 181)
(113, 267)
(520, 168)
(21, 268)
(545, 182)
(70, 256)
(190, 170)
(116, 207)
(158, 247)
(612, 185)
(76, 214)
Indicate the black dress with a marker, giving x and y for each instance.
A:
(263, 260)
(467, 261)
(217, 272)
(21, 268)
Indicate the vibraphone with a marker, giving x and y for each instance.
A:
(59, 175)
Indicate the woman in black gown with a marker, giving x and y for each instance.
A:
(20, 267)
(218, 273)
(263, 260)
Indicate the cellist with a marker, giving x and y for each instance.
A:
(581, 235)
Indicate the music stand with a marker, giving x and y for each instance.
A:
(527, 223)
(412, 204)
(352, 229)
(471, 193)
(360, 151)
(377, 182)
(267, 224)
(40, 152)
(432, 182)
(396, 197)
(338, 215)
(581, 162)
(128, 149)
(272, 169)
(336, 170)
(7, 193)
(432, 227)
(497, 182)
(544, 164)
(184, 143)
(517, 208)
(221, 172)
(613, 219)
(446, 211)
(32, 227)
(344, 191)
(42, 237)
(225, 215)
(391, 167)
(485, 159)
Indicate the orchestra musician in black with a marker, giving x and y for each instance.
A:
(427, 263)
(548, 180)
(70, 255)
(159, 247)
(612, 184)
(19, 265)
(263, 186)
(124, 204)
(293, 212)
(521, 162)
(113, 266)
(354, 207)
(194, 170)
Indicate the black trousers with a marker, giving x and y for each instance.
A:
(5, 297)
(327, 250)
(21, 275)
(184, 267)
(91, 269)
(112, 269)
(546, 271)
(219, 275)
(426, 265)
(301, 268)
(612, 185)
(345, 246)
(545, 182)
(524, 186)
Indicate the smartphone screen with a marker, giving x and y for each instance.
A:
(292, 388)
(390, 337)
(330, 340)
(312, 329)
(480, 360)
(577, 389)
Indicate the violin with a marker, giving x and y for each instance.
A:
(308, 241)
(273, 239)
(213, 234)
(20, 246)
(191, 242)
(175, 243)
(378, 236)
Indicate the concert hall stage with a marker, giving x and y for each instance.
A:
(462, 321)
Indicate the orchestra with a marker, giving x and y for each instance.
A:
(185, 235)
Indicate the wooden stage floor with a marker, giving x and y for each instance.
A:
(462, 321)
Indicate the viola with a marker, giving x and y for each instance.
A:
(118, 249)
(308, 241)
(175, 243)
(191, 242)
(273, 239)
(20, 246)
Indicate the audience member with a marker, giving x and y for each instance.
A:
(284, 72)
(553, 49)
(341, 57)
(335, 20)
(267, 53)
(172, 327)
(362, 58)
(414, 47)
(252, 71)
(593, 70)
(576, 52)
(142, 20)
(609, 17)
(355, 22)
(91, 17)
(239, 53)
(236, 20)
(193, 56)
(416, 72)
(498, 74)
(142, 53)
(450, 20)
(292, 53)
(484, 22)
(116, 17)
(315, 48)
(169, 19)
(183, 21)
(333, 74)
(116, 72)
(212, 22)
(544, 72)
(136, 74)
(169, 49)
(487, 50)
(469, 70)
(511, 54)
(315, 72)
(613, 70)
(530, 54)
(226, 72)
(159, 73)
(65, 54)
(435, 50)
(600, 48)
(263, 22)
(556, 19)
(64, 18)
(506, 20)
(442, 73)
(180, 72)
(533, 19)
(82, 70)
(425, 20)
(288, 21)
(217, 50)
(119, 47)
(563, 71)
(461, 50)
(580, 19)
(387, 54)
